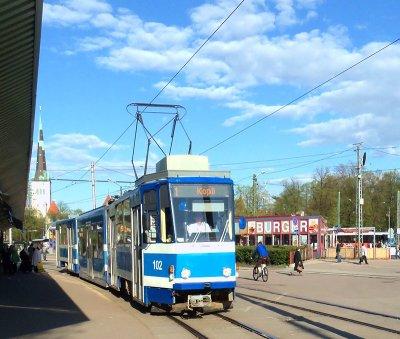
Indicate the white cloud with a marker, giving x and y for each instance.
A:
(364, 127)
(251, 18)
(251, 50)
(212, 92)
(73, 12)
(89, 6)
(135, 59)
(89, 141)
(94, 44)
(286, 13)
(62, 15)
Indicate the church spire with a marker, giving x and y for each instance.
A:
(41, 170)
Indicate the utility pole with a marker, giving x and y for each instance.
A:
(338, 210)
(397, 219)
(92, 165)
(254, 193)
(359, 196)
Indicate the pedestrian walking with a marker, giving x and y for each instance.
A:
(363, 256)
(338, 257)
(14, 259)
(36, 258)
(6, 260)
(44, 251)
(298, 262)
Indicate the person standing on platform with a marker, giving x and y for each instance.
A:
(14, 259)
(363, 256)
(36, 258)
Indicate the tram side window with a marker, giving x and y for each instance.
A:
(127, 222)
(82, 241)
(93, 241)
(166, 225)
(63, 235)
(119, 218)
(123, 223)
(98, 248)
(150, 217)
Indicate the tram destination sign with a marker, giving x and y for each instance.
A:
(191, 191)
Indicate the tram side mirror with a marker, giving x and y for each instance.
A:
(242, 223)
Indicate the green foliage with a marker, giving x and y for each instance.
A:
(34, 225)
(320, 197)
(279, 255)
(250, 199)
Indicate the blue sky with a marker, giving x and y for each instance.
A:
(97, 56)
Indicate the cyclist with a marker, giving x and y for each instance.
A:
(261, 253)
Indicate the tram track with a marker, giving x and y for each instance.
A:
(187, 327)
(367, 312)
(245, 327)
(195, 332)
(246, 297)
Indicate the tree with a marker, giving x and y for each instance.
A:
(249, 201)
(61, 212)
(292, 200)
(34, 225)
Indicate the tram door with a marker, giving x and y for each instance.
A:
(70, 247)
(113, 250)
(89, 253)
(137, 255)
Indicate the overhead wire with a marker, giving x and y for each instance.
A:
(298, 166)
(274, 159)
(301, 96)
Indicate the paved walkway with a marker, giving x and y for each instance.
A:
(32, 303)
(58, 305)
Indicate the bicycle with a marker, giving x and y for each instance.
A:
(260, 271)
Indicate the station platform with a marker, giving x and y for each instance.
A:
(33, 303)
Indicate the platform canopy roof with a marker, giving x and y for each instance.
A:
(20, 27)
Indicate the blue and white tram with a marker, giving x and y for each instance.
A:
(92, 245)
(172, 240)
(67, 244)
(169, 242)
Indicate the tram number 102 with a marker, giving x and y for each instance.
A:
(157, 265)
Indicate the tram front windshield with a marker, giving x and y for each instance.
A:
(202, 213)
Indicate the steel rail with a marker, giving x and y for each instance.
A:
(304, 309)
(245, 327)
(190, 329)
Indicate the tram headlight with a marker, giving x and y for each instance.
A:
(227, 272)
(185, 274)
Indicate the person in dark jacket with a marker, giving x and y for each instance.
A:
(298, 263)
(26, 265)
(7, 269)
(338, 257)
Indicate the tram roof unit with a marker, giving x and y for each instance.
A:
(177, 166)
